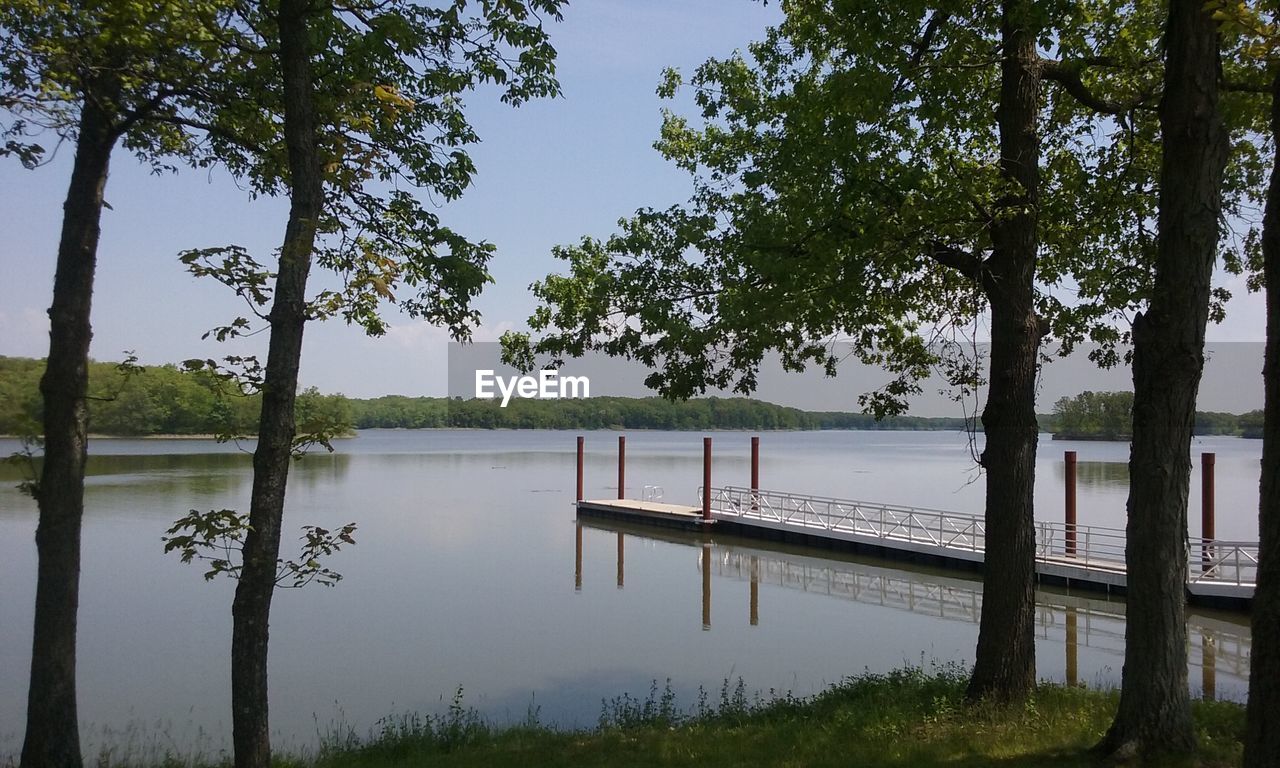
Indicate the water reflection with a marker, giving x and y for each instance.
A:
(1103, 475)
(1220, 642)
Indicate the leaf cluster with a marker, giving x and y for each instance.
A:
(216, 538)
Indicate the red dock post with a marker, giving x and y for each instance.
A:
(1070, 458)
(706, 479)
(581, 440)
(755, 472)
(622, 466)
(1207, 533)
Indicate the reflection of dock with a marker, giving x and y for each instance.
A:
(1077, 621)
(1222, 573)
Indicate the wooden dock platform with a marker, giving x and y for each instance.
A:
(1221, 574)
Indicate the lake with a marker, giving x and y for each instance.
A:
(471, 573)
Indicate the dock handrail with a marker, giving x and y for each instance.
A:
(1209, 561)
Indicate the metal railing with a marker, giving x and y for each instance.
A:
(651, 493)
(930, 527)
(1222, 562)
(1086, 546)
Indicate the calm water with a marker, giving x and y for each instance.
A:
(471, 572)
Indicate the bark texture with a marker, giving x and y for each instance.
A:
(1262, 731)
(1154, 715)
(52, 738)
(251, 608)
(1005, 666)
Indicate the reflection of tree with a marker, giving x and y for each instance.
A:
(1097, 474)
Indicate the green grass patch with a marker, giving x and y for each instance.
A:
(910, 717)
(905, 718)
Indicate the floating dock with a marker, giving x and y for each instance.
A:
(1220, 573)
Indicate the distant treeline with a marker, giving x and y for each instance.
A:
(395, 412)
(167, 400)
(1109, 416)
(153, 400)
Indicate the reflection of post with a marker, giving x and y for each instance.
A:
(1073, 646)
(755, 473)
(1208, 665)
(1207, 533)
(755, 591)
(1070, 458)
(580, 441)
(620, 560)
(706, 479)
(706, 587)
(577, 557)
(622, 466)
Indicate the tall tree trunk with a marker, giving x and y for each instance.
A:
(52, 736)
(1005, 668)
(1155, 706)
(251, 608)
(1262, 732)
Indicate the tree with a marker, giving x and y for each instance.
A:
(99, 75)
(1262, 738)
(1155, 709)
(351, 102)
(1254, 25)
(877, 175)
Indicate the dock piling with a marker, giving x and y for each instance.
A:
(581, 441)
(622, 466)
(1207, 533)
(755, 473)
(706, 479)
(1070, 531)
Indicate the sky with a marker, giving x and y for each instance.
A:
(549, 173)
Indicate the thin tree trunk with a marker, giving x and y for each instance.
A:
(251, 608)
(1005, 666)
(1262, 732)
(1155, 707)
(52, 735)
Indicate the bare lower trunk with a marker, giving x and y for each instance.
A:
(1262, 732)
(52, 736)
(1155, 707)
(1005, 669)
(251, 609)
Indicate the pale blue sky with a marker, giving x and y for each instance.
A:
(549, 172)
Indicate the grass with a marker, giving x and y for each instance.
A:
(906, 718)
(910, 717)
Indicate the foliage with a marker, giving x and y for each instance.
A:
(845, 183)
(159, 400)
(1104, 415)
(389, 100)
(216, 538)
(141, 62)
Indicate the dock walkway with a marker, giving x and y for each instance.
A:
(1220, 573)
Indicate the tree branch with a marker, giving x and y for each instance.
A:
(1239, 86)
(965, 262)
(1068, 75)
